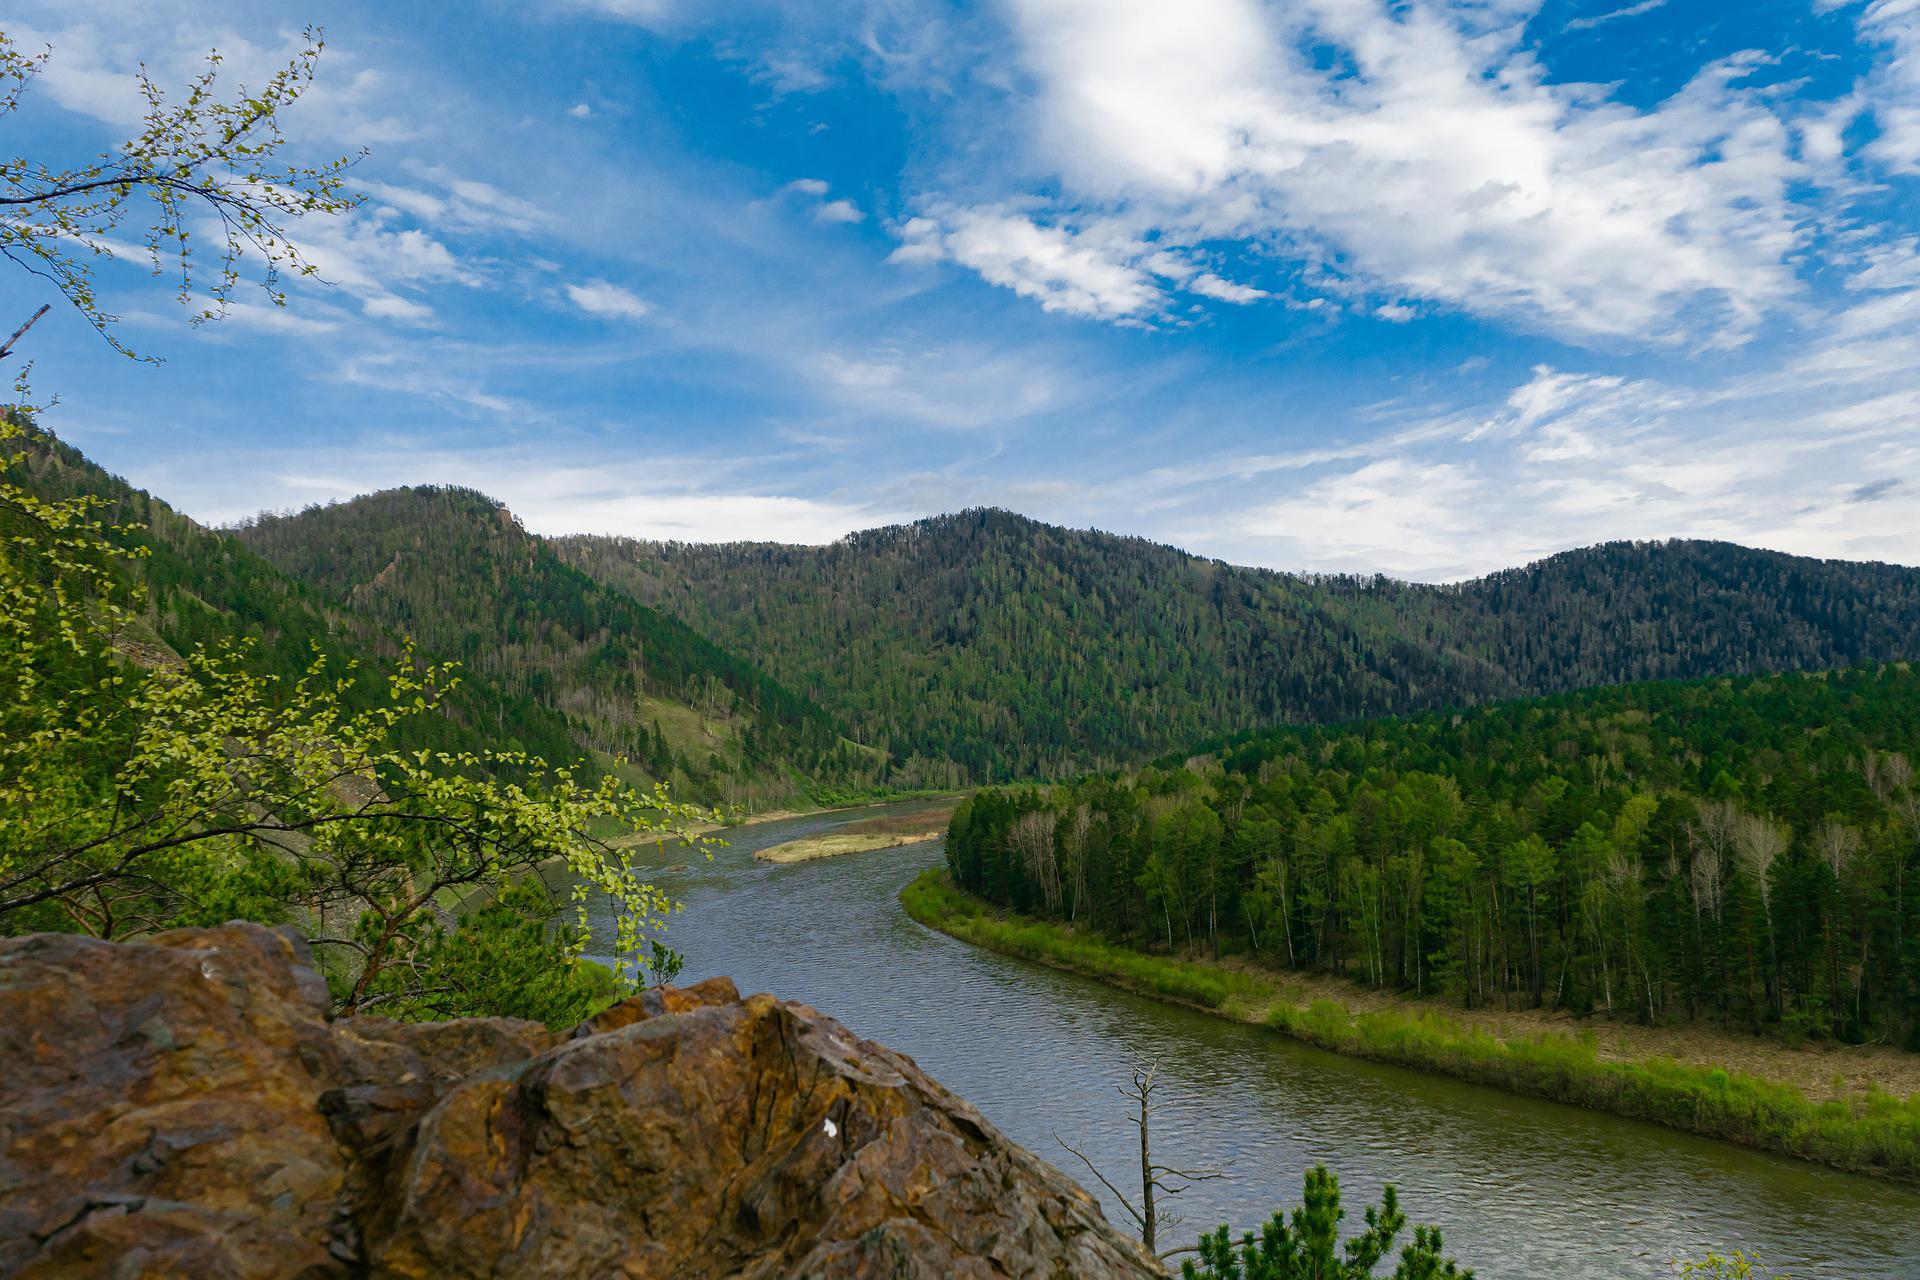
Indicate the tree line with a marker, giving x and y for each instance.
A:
(1743, 852)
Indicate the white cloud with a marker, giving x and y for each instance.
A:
(580, 111)
(364, 255)
(458, 203)
(699, 517)
(815, 190)
(555, 490)
(1614, 15)
(838, 211)
(419, 374)
(388, 255)
(646, 13)
(1435, 160)
(1816, 457)
(305, 320)
(1213, 286)
(792, 71)
(601, 298)
(1062, 269)
(93, 68)
(1893, 92)
(85, 73)
(1892, 265)
(391, 306)
(958, 386)
(1421, 518)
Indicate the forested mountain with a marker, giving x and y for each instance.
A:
(553, 663)
(1745, 851)
(203, 587)
(454, 570)
(985, 646)
(1629, 611)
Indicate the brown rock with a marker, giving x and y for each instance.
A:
(161, 1096)
(181, 1107)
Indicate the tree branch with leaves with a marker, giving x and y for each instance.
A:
(201, 162)
(143, 788)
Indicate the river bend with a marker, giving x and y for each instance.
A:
(1522, 1187)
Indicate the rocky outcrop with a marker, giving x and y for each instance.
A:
(182, 1107)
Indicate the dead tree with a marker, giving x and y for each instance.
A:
(1154, 1178)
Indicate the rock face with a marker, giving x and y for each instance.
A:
(183, 1107)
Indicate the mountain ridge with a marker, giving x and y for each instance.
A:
(455, 569)
(906, 530)
(1064, 622)
(980, 645)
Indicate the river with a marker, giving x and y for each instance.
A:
(1522, 1188)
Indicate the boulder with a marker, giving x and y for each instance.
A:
(182, 1106)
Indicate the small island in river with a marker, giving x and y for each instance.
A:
(888, 831)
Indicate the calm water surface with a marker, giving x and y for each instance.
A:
(1522, 1188)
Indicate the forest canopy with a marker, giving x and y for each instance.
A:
(1744, 852)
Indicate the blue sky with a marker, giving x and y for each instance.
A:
(1416, 287)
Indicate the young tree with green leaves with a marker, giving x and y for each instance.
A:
(140, 790)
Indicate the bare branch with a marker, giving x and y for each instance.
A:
(1095, 1171)
(6, 349)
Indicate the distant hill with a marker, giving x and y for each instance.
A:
(984, 645)
(453, 569)
(1627, 611)
(554, 663)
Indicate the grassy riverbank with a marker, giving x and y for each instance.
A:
(1870, 1132)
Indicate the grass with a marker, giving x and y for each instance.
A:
(1875, 1133)
(686, 729)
